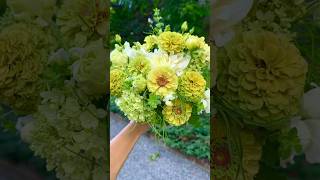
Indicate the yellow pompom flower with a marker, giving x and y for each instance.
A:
(150, 41)
(192, 86)
(162, 80)
(177, 114)
(195, 42)
(117, 78)
(171, 42)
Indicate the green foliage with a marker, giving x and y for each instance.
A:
(129, 18)
(193, 141)
(154, 101)
(289, 141)
(154, 157)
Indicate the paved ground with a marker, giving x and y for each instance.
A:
(170, 165)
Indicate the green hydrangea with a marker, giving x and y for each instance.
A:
(40, 11)
(81, 19)
(139, 83)
(200, 58)
(134, 107)
(23, 55)
(71, 136)
(90, 71)
(262, 75)
(275, 15)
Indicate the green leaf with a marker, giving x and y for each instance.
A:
(154, 156)
(154, 101)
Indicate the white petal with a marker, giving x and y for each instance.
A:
(303, 131)
(311, 103)
(312, 151)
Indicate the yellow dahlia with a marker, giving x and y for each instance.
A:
(171, 42)
(117, 78)
(162, 80)
(192, 86)
(177, 114)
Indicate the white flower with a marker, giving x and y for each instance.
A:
(178, 62)
(25, 126)
(169, 98)
(227, 14)
(309, 129)
(206, 101)
(311, 103)
(129, 51)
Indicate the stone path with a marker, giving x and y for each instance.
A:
(169, 166)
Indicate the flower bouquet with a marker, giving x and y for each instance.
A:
(263, 118)
(165, 80)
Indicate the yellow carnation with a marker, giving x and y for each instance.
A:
(177, 114)
(192, 86)
(117, 78)
(171, 42)
(162, 80)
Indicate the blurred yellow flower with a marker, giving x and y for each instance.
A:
(177, 114)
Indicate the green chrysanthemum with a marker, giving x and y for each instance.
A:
(117, 78)
(139, 65)
(134, 107)
(23, 54)
(162, 80)
(192, 86)
(177, 114)
(81, 19)
(263, 74)
(171, 42)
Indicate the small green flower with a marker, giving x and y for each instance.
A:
(134, 107)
